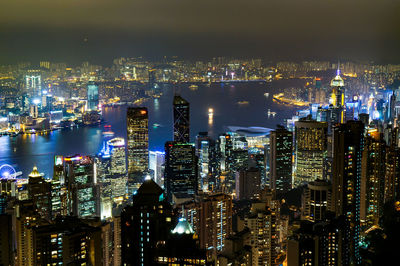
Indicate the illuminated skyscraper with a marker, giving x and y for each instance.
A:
(181, 120)
(118, 160)
(137, 146)
(316, 199)
(157, 159)
(211, 218)
(205, 150)
(338, 95)
(311, 150)
(33, 83)
(39, 193)
(262, 222)
(92, 96)
(145, 224)
(281, 149)
(348, 146)
(180, 176)
(372, 178)
(81, 182)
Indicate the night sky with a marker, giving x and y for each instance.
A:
(100, 30)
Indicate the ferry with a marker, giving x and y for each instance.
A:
(266, 94)
(193, 87)
(269, 113)
(243, 102)
(210, 111)
(108, 133)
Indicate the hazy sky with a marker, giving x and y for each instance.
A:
(272, 29)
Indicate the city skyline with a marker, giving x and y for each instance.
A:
(215, 133)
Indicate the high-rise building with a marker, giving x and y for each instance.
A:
(156, 165)
(181, 119)
(316, 200)
(67, 241)
(25, 216)
(262, 222)
(33, 83)
(117, 156)
(180, 176)
(280, 161)
(181, 247)
(248, 184)
(392, 174)
(137, 146)
(211, 218)
(348, 146)
(39, 191)
(338, 96)
(310, 150)
(145, 224)
(323, 243)
(208, 167)
(83, 189)
(372, 178)
(92, 96)
(59, 195)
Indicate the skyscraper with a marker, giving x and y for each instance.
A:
(281, 145)
(181, 119)
(248, 184)
(83, 190)
(92, 96)
(68, 241)
(205, 150)
(262, 222)
(316, 200)
(211, 218)
(33, 83)
(372, 178)
(118, 160)
(157, 159)
(311, 150)
(180, 176)
(348, 145)
(137, 146)
(144, 224)
(39, 192)
(338, 96)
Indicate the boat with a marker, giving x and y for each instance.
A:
(269, 113)
(108, 133)
(193, 87)
(266, 94)
(210, 111)
(243, 102)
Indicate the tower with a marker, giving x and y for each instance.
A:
(348, 146)
(83, 190)
(180, 170)
(92, 96)
(137, 146)
(281, 145)
(181, 119)
(338, 95)
(145, 224)
(311, 150)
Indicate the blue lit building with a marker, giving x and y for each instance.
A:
(92, 96)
